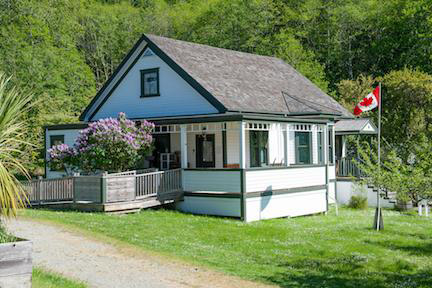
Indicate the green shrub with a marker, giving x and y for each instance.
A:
(5, 236)
(358, 202)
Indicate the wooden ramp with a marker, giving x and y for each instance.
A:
(112, 193)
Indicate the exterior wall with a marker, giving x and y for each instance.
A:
(70, 136)
(284, 178)
(286, 205)
(211, 181)
(177, 97)
(346, 188)
(291, 147)
(210, 206)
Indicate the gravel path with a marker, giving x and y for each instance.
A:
(105, 265)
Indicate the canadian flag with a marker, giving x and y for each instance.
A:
(368, 103)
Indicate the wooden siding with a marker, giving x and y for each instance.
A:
(177, 97)
(120, 188)
(210, 206)
(286, 205)
(233, 146)
(88, 188)
(211, 181)
(276, 179)
(16, 264)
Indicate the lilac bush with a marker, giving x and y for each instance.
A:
(108, 145)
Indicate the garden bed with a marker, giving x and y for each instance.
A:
(15, 261)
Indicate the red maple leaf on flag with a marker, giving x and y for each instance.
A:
(366, 102)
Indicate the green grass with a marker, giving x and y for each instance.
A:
(44, 279)
(314, 251)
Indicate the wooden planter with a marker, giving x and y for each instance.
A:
(16, 264)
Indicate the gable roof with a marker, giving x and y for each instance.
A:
(238, 81)
(355, 126)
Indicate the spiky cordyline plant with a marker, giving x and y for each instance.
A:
(13, 105)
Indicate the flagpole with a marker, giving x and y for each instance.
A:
(378, 211)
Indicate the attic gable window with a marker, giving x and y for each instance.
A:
(150, 82)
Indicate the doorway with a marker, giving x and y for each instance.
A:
(205, 151)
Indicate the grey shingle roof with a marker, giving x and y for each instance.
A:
(248, 82)
(353, 125)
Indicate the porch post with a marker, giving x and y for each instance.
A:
(242, 148)
(286, 144)
(343, 146)
(326, 161)
(183, 146)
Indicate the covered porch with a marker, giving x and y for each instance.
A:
(251, 167)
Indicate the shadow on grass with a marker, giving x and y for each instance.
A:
(350, 271)
(423, 249)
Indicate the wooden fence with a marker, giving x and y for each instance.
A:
(106, 188)
(50, 190)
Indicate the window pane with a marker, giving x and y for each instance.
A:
(150, 83)
(320, 147)
(207, 151)
(303, 147)
(258, 148)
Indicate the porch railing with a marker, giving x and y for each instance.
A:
(348, 168)
(157, 183)
(106, 188)
(49, 190)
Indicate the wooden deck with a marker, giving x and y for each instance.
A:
(113, 193)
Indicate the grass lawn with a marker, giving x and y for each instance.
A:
(45, 279)
(315, 251)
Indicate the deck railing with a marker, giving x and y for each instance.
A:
(157, 183)
(106, 188)
(49, 190)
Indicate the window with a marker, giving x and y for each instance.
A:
(320, 140)
(150, 82)
(56, 140)
(258, 148)
(303, 147)
(330, 144)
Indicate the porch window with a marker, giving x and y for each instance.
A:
(320, 147)
(303, 147)
(258, 142)
(330, 144)
(150, 82)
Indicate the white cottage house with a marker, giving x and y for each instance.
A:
(254, 138)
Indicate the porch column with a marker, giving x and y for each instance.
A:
(183, 146)
(286, 144)
(343, 146)
(242, 148)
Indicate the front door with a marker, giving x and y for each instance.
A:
(205, 151)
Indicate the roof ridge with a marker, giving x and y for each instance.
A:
(218, 48)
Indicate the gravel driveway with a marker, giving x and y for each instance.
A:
(105, 265)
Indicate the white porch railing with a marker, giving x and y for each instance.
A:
(157, 183)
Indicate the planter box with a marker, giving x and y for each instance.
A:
(16, 264)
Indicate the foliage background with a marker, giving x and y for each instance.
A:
(64, 50)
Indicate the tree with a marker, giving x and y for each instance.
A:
(14, 104)
(406, 106)
(412, 180)
(109, 144)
